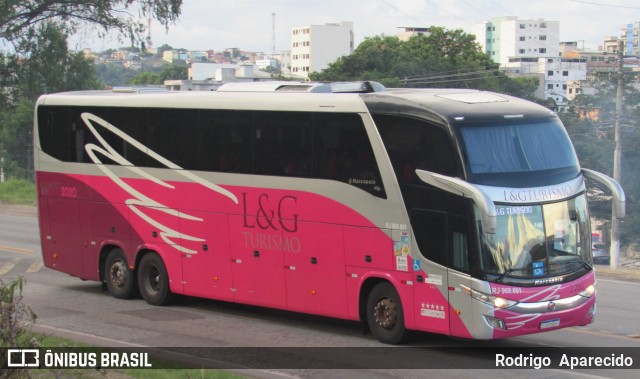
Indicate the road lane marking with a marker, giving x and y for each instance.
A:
(9, 266)
(61, 332)
(35, 267)
(617, 281)
(19, 250)
(603, 333)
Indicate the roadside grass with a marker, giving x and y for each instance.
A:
(18, 191)
(167, 370)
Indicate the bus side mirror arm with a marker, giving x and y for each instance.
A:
(616, 190)
(461, 188)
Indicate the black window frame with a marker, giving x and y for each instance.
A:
(58, 125)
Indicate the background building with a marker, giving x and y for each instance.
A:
(407, 32)
(629, 35)
(507, 37)
(313, 47)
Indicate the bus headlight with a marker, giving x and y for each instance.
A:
(495, 301)
(589, 291)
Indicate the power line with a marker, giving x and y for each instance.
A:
(451, 76)
(448, 11)
(478, 77)
(403, 12)
(501, 7)
(479, 10)
(605, 5)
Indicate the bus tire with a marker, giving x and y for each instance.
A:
(385, 315)
(153, 280)
(120, 280)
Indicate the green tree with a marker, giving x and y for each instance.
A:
(593, 138)
(113, 75)
(48, 67)
(145, 78)
(173, 72)
(18, 17)
(444, 58)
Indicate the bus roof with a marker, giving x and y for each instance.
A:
(443, 105)
(460, 105)
(253, 100)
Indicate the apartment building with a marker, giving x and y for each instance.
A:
(406, 32)
(630, 37)
(313, 47)
(508, 37)
(555, 74)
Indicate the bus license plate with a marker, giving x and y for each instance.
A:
(550, 323)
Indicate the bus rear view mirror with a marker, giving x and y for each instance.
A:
(615, 188)
(461, 188)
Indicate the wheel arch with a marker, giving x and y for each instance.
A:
(365, 289)
(105, 250)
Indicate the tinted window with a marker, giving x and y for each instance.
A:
(173, 134)
(224, 142)
(429, 228)
(300, 144)
(344, 153)
(517, 147)
(416, 144)
(54, 128)
(459, 248)
(130, 121)
(283, 143)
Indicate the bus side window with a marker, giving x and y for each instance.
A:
(428, 229)
(282, 143)
(55, 130)
(224, 141)
(131, 121)
(343, 152)
(416, 144)
(170, 133)
(459, 248)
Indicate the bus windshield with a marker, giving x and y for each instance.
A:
(533, 241)
(518, 150)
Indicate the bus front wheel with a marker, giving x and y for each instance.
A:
(385, 315)
(120, 280)
(153, 280)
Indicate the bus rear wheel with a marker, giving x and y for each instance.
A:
(385, 316)
(120, 280)
(154, 281)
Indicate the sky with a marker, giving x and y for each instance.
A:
(248, 24)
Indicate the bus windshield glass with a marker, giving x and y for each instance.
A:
(534, 241)
(518, 149)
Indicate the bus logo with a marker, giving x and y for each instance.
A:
(23, 358)
(140, 203)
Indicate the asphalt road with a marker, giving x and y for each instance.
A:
(69, 307)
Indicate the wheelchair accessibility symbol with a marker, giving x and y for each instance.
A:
(416, 265)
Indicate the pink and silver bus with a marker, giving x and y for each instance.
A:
(458, 212)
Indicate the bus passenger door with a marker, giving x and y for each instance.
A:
(256, 261)
(207, 271)
(431, 287)
(460, 308)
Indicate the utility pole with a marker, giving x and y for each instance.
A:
(273, 34)
(614, 250)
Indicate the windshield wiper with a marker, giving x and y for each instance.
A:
(586, 266)
(507, 272)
